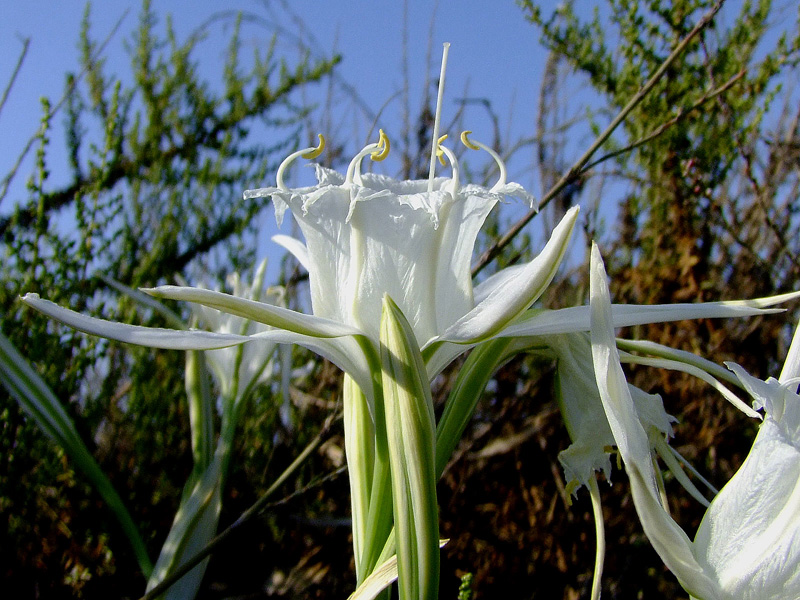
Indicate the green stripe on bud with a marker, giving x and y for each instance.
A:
(411, 435)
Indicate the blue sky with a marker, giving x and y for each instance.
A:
(494, 55)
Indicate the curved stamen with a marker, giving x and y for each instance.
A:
(309, 153)
(444, 150)
(474, 145)
(384, 145)
(377, 151)
(440, 150)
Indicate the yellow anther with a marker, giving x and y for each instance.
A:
(315, 152)
(383, 147)
(468, 142)
(439, 151)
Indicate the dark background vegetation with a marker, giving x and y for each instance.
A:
(706, 209)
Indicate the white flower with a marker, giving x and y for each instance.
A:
(748, 544)
(369, 235)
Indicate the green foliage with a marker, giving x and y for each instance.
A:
(707, 204)
(708, 196)
(157, 163)
(465, 589)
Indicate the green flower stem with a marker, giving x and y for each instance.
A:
(479, 367)
(201, 420)
(378, 522)
(380, 505)
(246, 516)
(411, 436)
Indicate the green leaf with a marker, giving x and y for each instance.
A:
(381, 578)
(359, 444)
(38, 400)
(479, 367)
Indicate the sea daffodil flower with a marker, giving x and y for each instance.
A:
(746, 547)
(369, 235)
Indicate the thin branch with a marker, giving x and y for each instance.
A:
(576, 169)
(6, 182)
(683, 112)
(26, 42)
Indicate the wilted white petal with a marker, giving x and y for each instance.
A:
(581, 410)
(170, 339)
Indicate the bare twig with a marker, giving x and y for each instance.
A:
(6, 182)
(680, 115)
(26, 42)
(576, 169)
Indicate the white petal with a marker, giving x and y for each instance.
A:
(505, 302)
(396, 251)
(275, 316)
(515, 190)
(668, 539)
(331, 260)
(484, 288)
(675, 365)
(344, 352)
(171, 339)
(791, 366)
(461, 223)
(576, 318)
(750, 536)
(295, 247)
